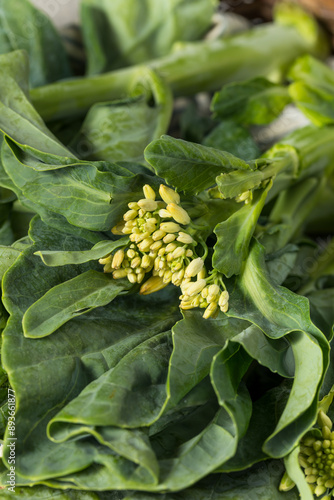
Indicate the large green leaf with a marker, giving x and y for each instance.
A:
(54, 370)
(22, 26)
(139, 31)
(196, 341)
(278, 312)
(199, 164)
(252, 102)
(130, 395)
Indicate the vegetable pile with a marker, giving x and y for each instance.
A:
(167, 290)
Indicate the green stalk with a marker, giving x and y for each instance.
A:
(266, 50)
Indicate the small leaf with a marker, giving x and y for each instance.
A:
(252, 102)
(101, 249)
(199, 164)
(68, 300)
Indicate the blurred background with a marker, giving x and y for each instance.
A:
(64, 12)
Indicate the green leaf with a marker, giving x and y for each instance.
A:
(227, 369)
(312, 90)
(321, 309)
(196, 341)
(18, 118)
(99, 192)
(233, 138)
(130, 395)
(274, 354)
(70, 299)
(266, 412)
(54, 370)
(252, 102)
(101, 249)
(120, 130)
(22, 26)
(199, 164)
(139, 31)
(278, 312)
(281, 160)
(235, 233)
(8, 256)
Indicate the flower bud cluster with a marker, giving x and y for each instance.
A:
(161, 243)
(204, 292)
(317, 458)
(245, 197)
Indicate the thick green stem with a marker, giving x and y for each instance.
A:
(192, 67)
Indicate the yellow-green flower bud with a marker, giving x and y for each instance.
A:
(210, 310)
(148, 205)
(130, 215)
(118, 259)
(164, 214)
(169, 238)
(132, 277)
(196, 300)
(189, 253)
(170, 227)
(158, 235)
(131, 253)
(214, 290)
(162, 251)
(320, 490)
(223, 299)
(171, 247)
(194, 267)
(201, 274)
(105, 260)
(153, 284)
(178, 213)
(118, 229)
(140, 276)
(185, 238)
(119, 273)
(245, 196)
(178, 277)
(195, 287)
(146, 261)
(145, 245)
(156, 245)
(133, 205)
(286, 483)
(108, 268)
(149, 192)
(167, 277)
(186, 305)
(311, 479)
(136, 262)
(178, 252)
(168, 194)
(324, 420)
